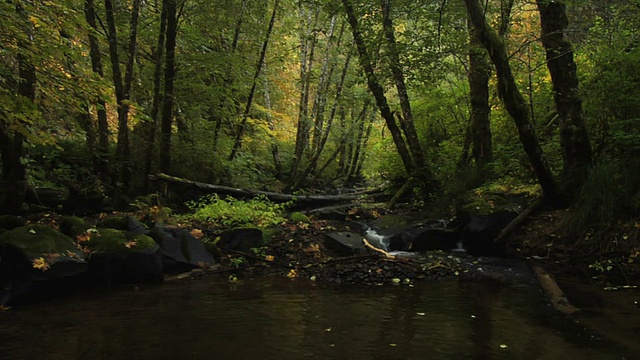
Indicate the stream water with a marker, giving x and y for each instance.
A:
(282, 319)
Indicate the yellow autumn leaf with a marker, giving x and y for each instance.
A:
(292, 274)
(130, 244)
(270, 258)
(40, 264)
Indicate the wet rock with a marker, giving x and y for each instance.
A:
(345, 244)
(36, 254)
(241, 239)
(480, 231)
(435, 239)
(73, 226)
(119, 256)
(127, 223)
(180, 250)
(10, 222)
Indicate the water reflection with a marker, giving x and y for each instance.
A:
(280, 319)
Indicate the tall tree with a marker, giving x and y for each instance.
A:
(123, 87)
(170, 6)
(406, 120)
(480, 125)
(157, 93)
(513, 100)
(243, 123)
(377, 90)
(101, 108)
(574, 141)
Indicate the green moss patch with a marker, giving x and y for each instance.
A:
(105, 239)
(36, 240)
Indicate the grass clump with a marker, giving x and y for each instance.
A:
(230, 212)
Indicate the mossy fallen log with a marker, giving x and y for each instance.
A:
(273, 196)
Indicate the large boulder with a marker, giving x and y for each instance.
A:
(345, 244)
(118, 256)
(36, 254)
(435, 239)
(180, 250)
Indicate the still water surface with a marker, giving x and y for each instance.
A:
(282, 319)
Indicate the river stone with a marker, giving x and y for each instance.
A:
(345, 244)
(180, 250)
(242, 240)
(10, 222)
(36, 253)
(119, 256)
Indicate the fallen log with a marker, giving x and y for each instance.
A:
(273, 196)
(553, 292)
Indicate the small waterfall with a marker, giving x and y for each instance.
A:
(377, 240)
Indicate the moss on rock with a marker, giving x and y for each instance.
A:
(9, 222)
(73, 226)
(106, 239)
(37, 240)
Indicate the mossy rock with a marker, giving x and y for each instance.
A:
(128, 223)
(10, 222)
(299, 217)
(106, 239)
(484, 204)
(73, 226)
(36, 240)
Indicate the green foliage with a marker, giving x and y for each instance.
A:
(230, 212)
(611, 193)
(150, 209)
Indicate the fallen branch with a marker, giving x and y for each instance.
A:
(371, 247)
(273, 196)
(555, 295)
(524, 215)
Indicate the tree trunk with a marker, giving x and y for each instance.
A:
(377, 90)
(325, 135)
(514, 101)
(243, 124)
(169, 78)
(406, 120)
(123, 88)
(96, 66)
(275, 152)
(480, 125)
(307, 50)
(157, 94)
(574, 141)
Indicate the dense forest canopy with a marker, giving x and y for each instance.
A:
(283, 95)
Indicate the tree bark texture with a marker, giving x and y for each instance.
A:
(514, 101)
(101, 111)
(157, 94)
(480, 125)
(169, 79)
(574, 140)
(377, 90)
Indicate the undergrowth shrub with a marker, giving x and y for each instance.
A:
(230, 212)
(610, 194)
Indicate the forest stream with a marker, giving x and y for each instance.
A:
(276, 318)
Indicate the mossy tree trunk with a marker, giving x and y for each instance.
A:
(514, 101)
(574, 141)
